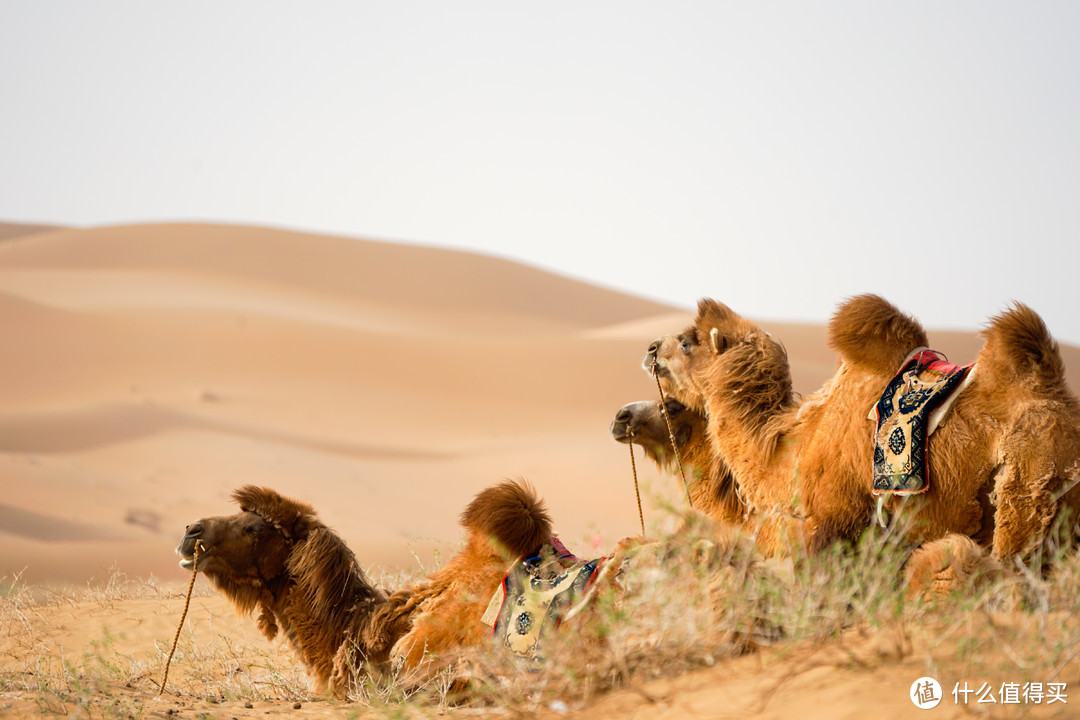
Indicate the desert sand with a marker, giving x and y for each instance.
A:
(149, 370)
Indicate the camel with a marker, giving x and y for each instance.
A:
(999, 463)
(277, 556)
(712, 487)
(940, 567)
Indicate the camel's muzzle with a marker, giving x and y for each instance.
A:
(187, 557)
(186, 548)
(628, 421)
(653, 364)
(620, 427)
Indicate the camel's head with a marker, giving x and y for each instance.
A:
(682, 361)
(665, 360)
(642, 423)
(251, 547)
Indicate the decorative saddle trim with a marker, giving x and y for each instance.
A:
(914, 403)
(536, 596)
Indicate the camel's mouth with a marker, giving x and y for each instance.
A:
(620, 431)
(655, 367)
(187, 558)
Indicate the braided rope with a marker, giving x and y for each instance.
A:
(187, 603)
(637, 490)
(671, 433)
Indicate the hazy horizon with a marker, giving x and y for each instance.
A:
(779, 157)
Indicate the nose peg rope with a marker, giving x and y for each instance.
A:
(670, 432)
(637, 491)
(187, 603)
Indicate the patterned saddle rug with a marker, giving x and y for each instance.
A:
(536, 596)
(915, 401)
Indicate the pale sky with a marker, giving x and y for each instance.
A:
(779, 156)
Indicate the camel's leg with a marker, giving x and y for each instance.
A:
(428, 637)
(1025, 508)
(780, 535)
(436, 638)
(947, 565)
(345, 667)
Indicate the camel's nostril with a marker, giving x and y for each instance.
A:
(623, 416)
(654, 347)
(193, 530)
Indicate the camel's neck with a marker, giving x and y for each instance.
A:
(714, 491)
(752, 412)
(320, 624)
(754, 448)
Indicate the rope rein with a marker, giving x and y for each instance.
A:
(671, 433)
(637, 491)
(187, 603)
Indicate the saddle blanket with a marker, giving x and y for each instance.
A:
(536, 596)
(914, 403)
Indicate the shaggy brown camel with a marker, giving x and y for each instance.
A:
(276, 555)
(712, 487)
(999, 463)
(937, 568)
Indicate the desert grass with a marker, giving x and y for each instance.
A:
(685, 603)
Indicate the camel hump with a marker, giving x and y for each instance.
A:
(1017, 340)
(512, 514)
(869, 330)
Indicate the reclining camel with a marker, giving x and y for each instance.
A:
(999, 463)
(938, 567)
(277, 556)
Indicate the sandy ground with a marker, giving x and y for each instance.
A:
(864, 674)
(147, 371)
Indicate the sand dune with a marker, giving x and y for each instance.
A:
(149, 370)
(9, 231)
(153, 369)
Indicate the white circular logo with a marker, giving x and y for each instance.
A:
(925, 693)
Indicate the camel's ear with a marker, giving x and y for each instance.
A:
(717, 343)
(287, 515)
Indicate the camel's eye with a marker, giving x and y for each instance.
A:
(674, 407)
(685, 346)
(252, 529)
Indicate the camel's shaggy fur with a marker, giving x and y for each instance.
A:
(1009, 447)
(277, 556)
(712, 487)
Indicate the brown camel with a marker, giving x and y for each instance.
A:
(999, 463)
(712, 487)
(275, 555)
(940, 567)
